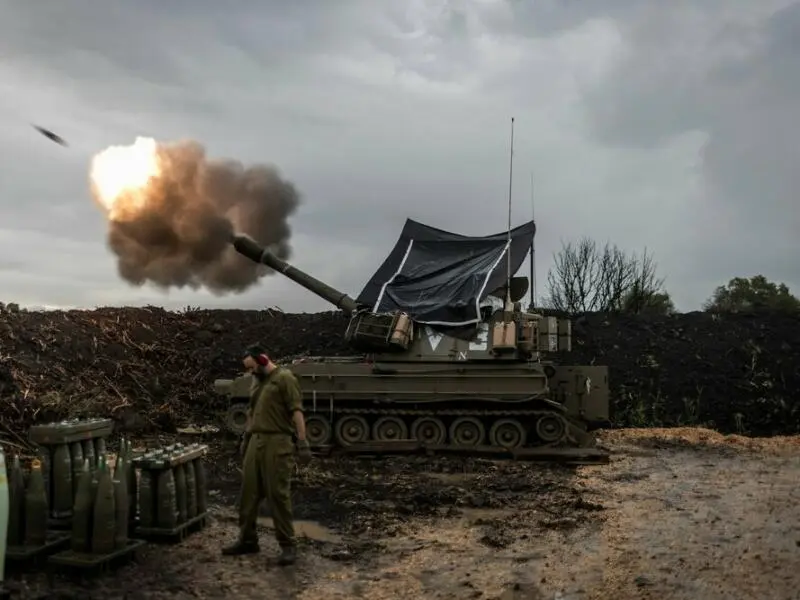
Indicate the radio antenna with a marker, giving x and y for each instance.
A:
(533, 249)
(510, 187)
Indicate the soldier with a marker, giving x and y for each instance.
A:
(275, 413)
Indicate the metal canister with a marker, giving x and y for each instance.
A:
(36, 507)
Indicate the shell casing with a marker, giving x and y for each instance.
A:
(83, 511)
(36, 507)
(180, 492)
(167, 513)
(147, 498)
(201, 485)
(61, 482)
(104, 518)
(16, 504)
(121, 506)
(76, 455)
(191, 491)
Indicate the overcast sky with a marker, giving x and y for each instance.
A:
(667, 125)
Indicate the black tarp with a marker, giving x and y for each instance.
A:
(440, 278)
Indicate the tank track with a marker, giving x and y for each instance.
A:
(532, 434)
(506, 429)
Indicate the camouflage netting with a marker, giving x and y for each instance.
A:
(151, 368)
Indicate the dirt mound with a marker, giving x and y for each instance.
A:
(734, 373)
(153, 369)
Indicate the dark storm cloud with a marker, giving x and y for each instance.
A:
(731, 72)
(380, 110)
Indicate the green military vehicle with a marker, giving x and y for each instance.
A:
(446, 355)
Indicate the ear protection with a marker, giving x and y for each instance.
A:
(262, 359)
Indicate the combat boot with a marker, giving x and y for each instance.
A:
(288, 556)
(241, 547)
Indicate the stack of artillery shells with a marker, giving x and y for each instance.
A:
(28, 506)
(101, 511)
(172, 486)
(64, 447)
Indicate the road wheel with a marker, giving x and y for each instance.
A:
(352, 429)
(429, 430)
(551, 428)
(389, 429)
(507, 433)
(318, 430)
(467, 432)
(236, 418)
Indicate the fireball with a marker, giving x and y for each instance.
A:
(120, 175)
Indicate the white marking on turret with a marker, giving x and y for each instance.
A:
(434, 338)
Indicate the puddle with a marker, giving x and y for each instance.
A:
(307, 529)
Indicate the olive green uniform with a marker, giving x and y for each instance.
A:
(269, 457)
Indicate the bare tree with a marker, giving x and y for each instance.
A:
(587, 278)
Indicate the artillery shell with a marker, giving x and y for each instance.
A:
(180, 492)
(147, 488)
(191, 490)
(46, 462)
(201, 485)
(83, 510)
(132, 484)
(104, 521)
(99, 447)
(36, 507)
(16, 504)
(61, 482)
(76, 455)
(167, 513)
(121, 504)
(88, 453)
(4, 510)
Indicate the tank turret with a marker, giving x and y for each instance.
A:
(501, 334)
(447, 357)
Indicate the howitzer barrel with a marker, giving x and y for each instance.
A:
(248, 247)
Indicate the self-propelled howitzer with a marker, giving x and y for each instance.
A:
(441, 360)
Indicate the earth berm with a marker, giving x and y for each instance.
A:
(153, 369)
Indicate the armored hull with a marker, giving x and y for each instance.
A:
(351, 401)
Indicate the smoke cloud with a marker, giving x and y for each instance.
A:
(172, 211)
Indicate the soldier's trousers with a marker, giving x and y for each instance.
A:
(267, 475)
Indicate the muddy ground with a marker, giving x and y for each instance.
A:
(678, 514)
